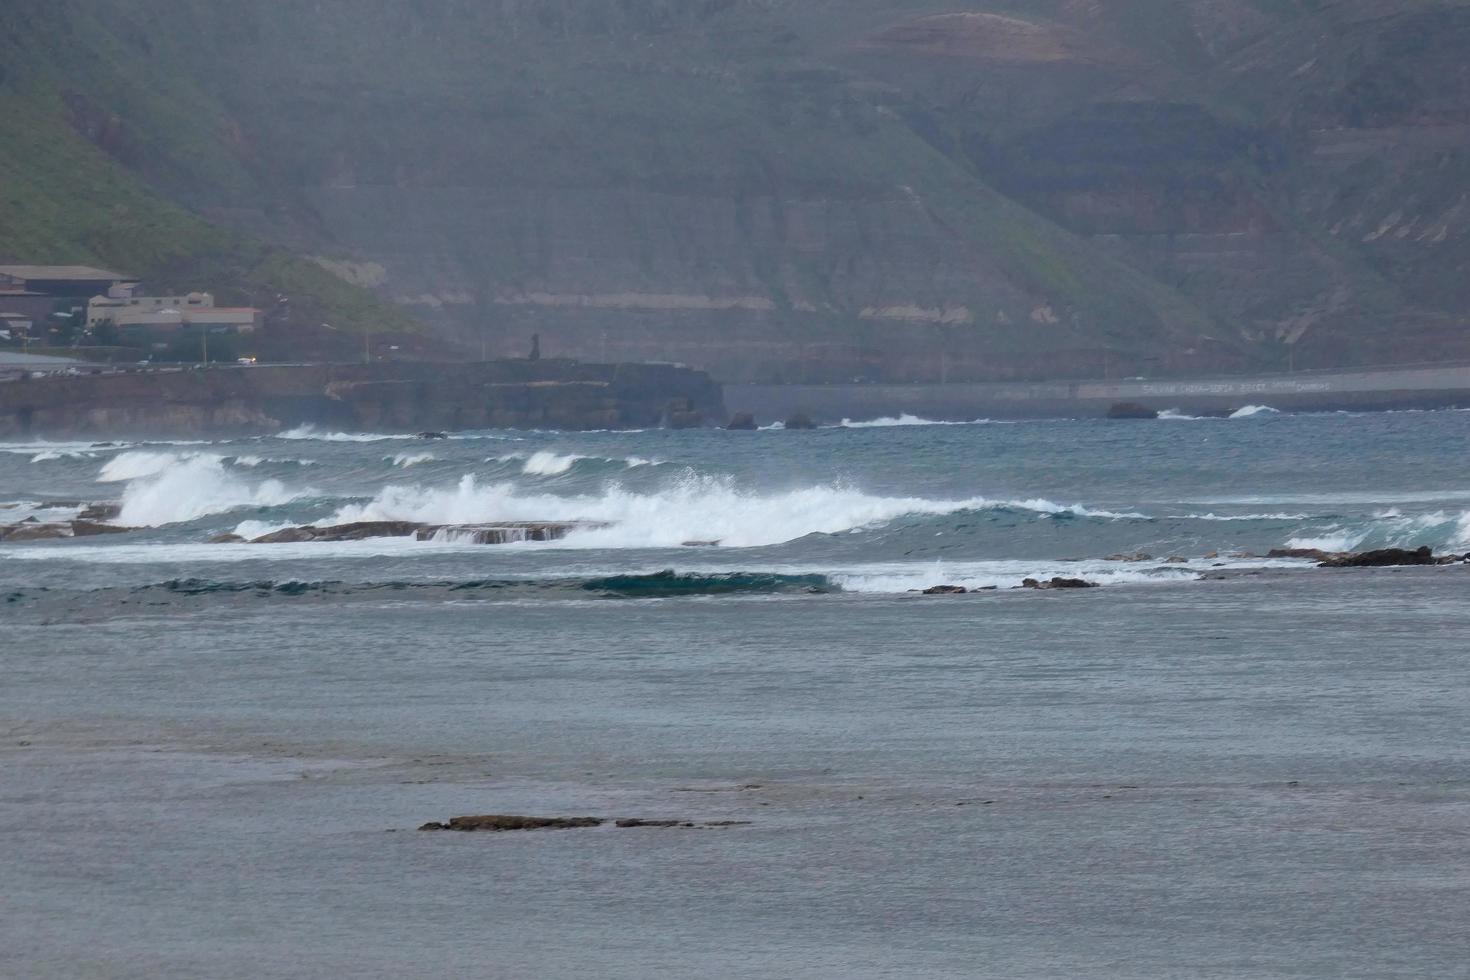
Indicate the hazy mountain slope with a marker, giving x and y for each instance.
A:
(1297, 169)
(791, 190)
(95, 141)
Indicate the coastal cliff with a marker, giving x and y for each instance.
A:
(396, 397)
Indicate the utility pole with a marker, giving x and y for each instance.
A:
(204, 343)
(367, 350)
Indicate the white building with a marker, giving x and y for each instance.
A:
(192, 309)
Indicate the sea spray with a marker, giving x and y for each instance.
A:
(1251, 411)
(186, 488)
(693, 507)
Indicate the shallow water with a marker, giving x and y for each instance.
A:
(1256, 770)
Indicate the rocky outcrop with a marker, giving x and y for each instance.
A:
(1131, 410)
(800, 421)
(501, 822)
(52, 531)
(1058, 583)
(1383, 558)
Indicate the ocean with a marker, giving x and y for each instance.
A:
(216, 756)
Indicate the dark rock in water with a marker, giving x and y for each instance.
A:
(742, 422)
(1384, 558)
(699, 544)
(1131, 410)
(287, 535)
(800, 421)
(495, 822)
(502, 822)
(100, 512)
(29, 530)
(88, 529)
(431, 435)
(1136, 556)
(946, 590)
(1312, 554)
(228, 537)
(1059, 583)
(32, 530)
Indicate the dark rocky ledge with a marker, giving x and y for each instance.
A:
(1381, 558)
(498, 823)
(32, 530)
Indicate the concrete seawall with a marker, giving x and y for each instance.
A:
(396, 397)
(1368, 390)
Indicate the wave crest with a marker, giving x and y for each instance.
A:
(172, 488)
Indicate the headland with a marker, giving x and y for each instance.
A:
(397, 396)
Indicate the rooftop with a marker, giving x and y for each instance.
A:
(84, 272)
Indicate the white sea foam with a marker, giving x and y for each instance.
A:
(1250, 411)
(43, 447)
(903, 419)
(405, 460)
(1330, 541)
(1337, 499)
(140, 463)
(903, 577)
(693, 508)
(547, 463)
(171, 488)
(250, 462)
(311, 432)
(1461, 538)
(1174, 415)
(51, 455)
(1242, 517)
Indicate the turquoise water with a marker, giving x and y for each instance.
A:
(1222, 766)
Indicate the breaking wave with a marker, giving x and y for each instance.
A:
(134, 465)
(1250, 411)
(549, 464)
(693, 508)
(1439, 530)
(311, 432)
(51, 455)
(171, 488)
